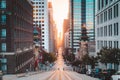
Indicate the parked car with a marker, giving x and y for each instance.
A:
(96, 72)
(106, 74)
(116, 76)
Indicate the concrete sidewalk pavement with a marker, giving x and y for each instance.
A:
(15, 76)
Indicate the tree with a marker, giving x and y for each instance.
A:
(109, 55)
(89, 60)
(76, 63)
(102, 56)
(86, 60)
(50, 57)
(69, 57)
(93, 61)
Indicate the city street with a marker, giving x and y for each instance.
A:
(59, 39)
(59, 72)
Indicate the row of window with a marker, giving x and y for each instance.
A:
(23, 14)
(38, 7)
(38, 17)
(22, 23)
(38, 21)
(109, 30)
(36, 14)
(103, 3)
(108, 14)
(22, 45)
(40, 25)
(22, 35)
(109, 44)
(40, 10)
(38, 2)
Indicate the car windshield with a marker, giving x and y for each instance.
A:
(117, 73)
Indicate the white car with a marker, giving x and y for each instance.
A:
(116, 76)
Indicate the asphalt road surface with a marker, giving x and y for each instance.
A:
(59, 72)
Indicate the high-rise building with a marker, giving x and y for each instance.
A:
(65, 33)
(107, 24)
(16, 35)
(66, 39)
(52, 28)
(40, 19)
(82, 12)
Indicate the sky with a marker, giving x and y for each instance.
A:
(60, 12)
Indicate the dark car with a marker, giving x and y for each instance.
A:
(96, 72)
(106, 74)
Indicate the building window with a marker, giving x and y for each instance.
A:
(3, 4)
(101, 31)
(97, 32)
(3, 19)
(101, 18)
(110, 30)
(111, 1)
(97, 19)
(106, 2)
(42, 24)
(116, 31)
(105, 43)
(116, 11)
(110, 44)
(101, 44)
(98, 4)
(98, 44)
(110, 14)
(105, 16)
(3, 33)
(105, 30)
(42, 39)
(102, 3)
(3, 47)
(115, 44)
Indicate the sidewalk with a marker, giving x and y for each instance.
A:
(15, 76)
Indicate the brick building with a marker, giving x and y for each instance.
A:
(16, 35)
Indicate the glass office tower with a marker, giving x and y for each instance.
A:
(82, 12)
